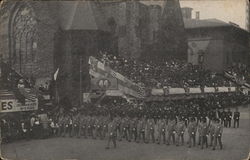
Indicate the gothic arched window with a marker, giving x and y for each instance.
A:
(23, 38)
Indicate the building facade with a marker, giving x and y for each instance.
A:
(216, 45)
(38, 37)
(234, 11)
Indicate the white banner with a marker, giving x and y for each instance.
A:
(209, 89)
(157, 92)
(194, 90)
(176, 91)
(11, 105)
(222, 89)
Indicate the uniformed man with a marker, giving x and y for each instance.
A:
(150, 129)
(180, 129)
(124, 127)
(229, 117)
(217, 134)
(199, 126)
(66, 125)
(83, 126)
(70, 125)
(211, 131)
(204, 132)
(89, 126)
(105, 126)
(224, 117)
(236, 118)
(76, 124)
(112, 128)
(61, 121)
(119, 129)
(98, 122)
(171, 130)
(133, 129)
(192, 128)
(161, 123)
(141, 128)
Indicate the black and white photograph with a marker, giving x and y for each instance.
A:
(125, 80)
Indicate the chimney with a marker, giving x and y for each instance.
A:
(197, 15)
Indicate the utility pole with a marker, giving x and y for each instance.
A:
(80, 94)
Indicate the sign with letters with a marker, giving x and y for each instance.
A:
(103, 83)
(12, 105)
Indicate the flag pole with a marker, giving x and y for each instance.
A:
(80, 94)
(56, 87)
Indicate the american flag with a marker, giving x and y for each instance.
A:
(28, 94)
(4, 93)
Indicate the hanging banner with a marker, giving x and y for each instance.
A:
(157, 92)
(98, 70)
(176, 90)
(194, 90)
(12, 105)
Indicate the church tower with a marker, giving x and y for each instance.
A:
(171, 38)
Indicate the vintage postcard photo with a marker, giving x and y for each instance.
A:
(124, 80)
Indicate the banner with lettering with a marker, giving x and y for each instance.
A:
(12, 105)
(98, 70)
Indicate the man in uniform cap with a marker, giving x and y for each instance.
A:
(76, 122)
(133, 128)
(199, 126)
(98, 126)
(180, 129)
(82, 126)
(161, 123)
(229, 117)
(217, 134)
(111, 132)
(119, 129)
(236, 118)
(61, 125)
(89, 127)
(105, 126)
(192, 128)
(141, 128)
(204, 132)
(150, 129)
(66, 125)
(171, 130)
(211, 131)
(224, 117)
(124, 128)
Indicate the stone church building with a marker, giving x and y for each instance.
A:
(37, 37)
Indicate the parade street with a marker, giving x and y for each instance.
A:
(236, 147)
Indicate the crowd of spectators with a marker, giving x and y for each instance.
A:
(165, 73)
(240, 72)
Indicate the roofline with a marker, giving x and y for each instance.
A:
(222, 26)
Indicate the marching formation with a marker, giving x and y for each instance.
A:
(164, 129)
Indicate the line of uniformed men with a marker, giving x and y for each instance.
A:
(162, 130)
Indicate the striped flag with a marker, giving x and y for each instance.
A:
(28, 93)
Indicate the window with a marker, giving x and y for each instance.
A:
(23, 38)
